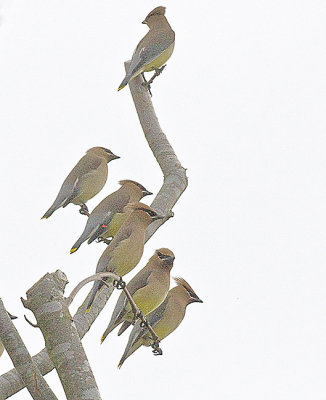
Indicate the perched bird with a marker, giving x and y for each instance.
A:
(154, 49)
(148, 289)
(164, 320)
(1, 345)
(127, 246)
(85, 180)
(106, 218)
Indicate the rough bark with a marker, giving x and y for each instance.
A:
(20, 357)
(45, 299)
(174, 184)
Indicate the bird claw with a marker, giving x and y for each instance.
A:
(157, 351)
(102, 239)
(84, 210)
(148, 87)
(119, 284)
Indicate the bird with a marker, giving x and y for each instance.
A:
(148, 289)
(108, 216)
(84, 181)
(164, 319)
(1, 344)
(126, 248)
(154, 49)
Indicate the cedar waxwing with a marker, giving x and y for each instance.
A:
(106, 218)
(1, 345)
(127, 246)
(154, 49)
(85, 180)
(164, 320)
(148, 289)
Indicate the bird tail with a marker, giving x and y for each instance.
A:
(79, 242)
(96, 287)
(124, 83)
(107, 331)
(51, 210)
(130, 348)
(123, 327)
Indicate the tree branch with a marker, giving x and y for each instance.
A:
(26, 368)
(175, 178)
(45, 299)
(174, 184)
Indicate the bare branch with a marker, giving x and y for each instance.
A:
(27, 369)
(45, 299)
(120, 284)
(175, 178)
(174, 184)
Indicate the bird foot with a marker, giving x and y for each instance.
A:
(119, 284)
(84, 210)
(148, 87)
(102, 239)
(158, 71)
(157, 351)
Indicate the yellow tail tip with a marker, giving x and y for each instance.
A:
(119, 365)
(44, 217)
(121, 87)
(73, 250)
(87, 310)
(102, 339)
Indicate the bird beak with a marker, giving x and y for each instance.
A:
(196, 300)
(114, 157)
(144, 22)
(158, 217)
(146, 193)
(12, 316)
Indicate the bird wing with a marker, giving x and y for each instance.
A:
(102, 220)
(72, 185)
(150, 47)
(117, 242)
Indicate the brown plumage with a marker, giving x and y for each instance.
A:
(85, 180)
(127, 246)
(164, 319)
(148, 289)
(154, 49)
(108, 216)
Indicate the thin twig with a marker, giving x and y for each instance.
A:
(26, 367)
(31, 323)
(119, 284)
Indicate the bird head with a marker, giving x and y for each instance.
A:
(146, 212)
(136, 186)
(157, 11)
(192, 296)
(165, 256)
(103, 152)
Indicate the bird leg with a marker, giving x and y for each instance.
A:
(157, 351)
(158, 72)
(146, 84)
(119, 284)
(83, 209)
(102, 239)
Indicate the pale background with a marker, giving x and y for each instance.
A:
(242, 101)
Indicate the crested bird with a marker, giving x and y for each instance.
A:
(84, 181)
(164, 319)
(1, 344)
(108, 216)
(126, 248)
(154, 49)
(148, 289)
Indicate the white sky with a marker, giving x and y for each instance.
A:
(242, 101)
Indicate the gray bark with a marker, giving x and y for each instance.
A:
(174, 184)
(45, 299)
(20, 357)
